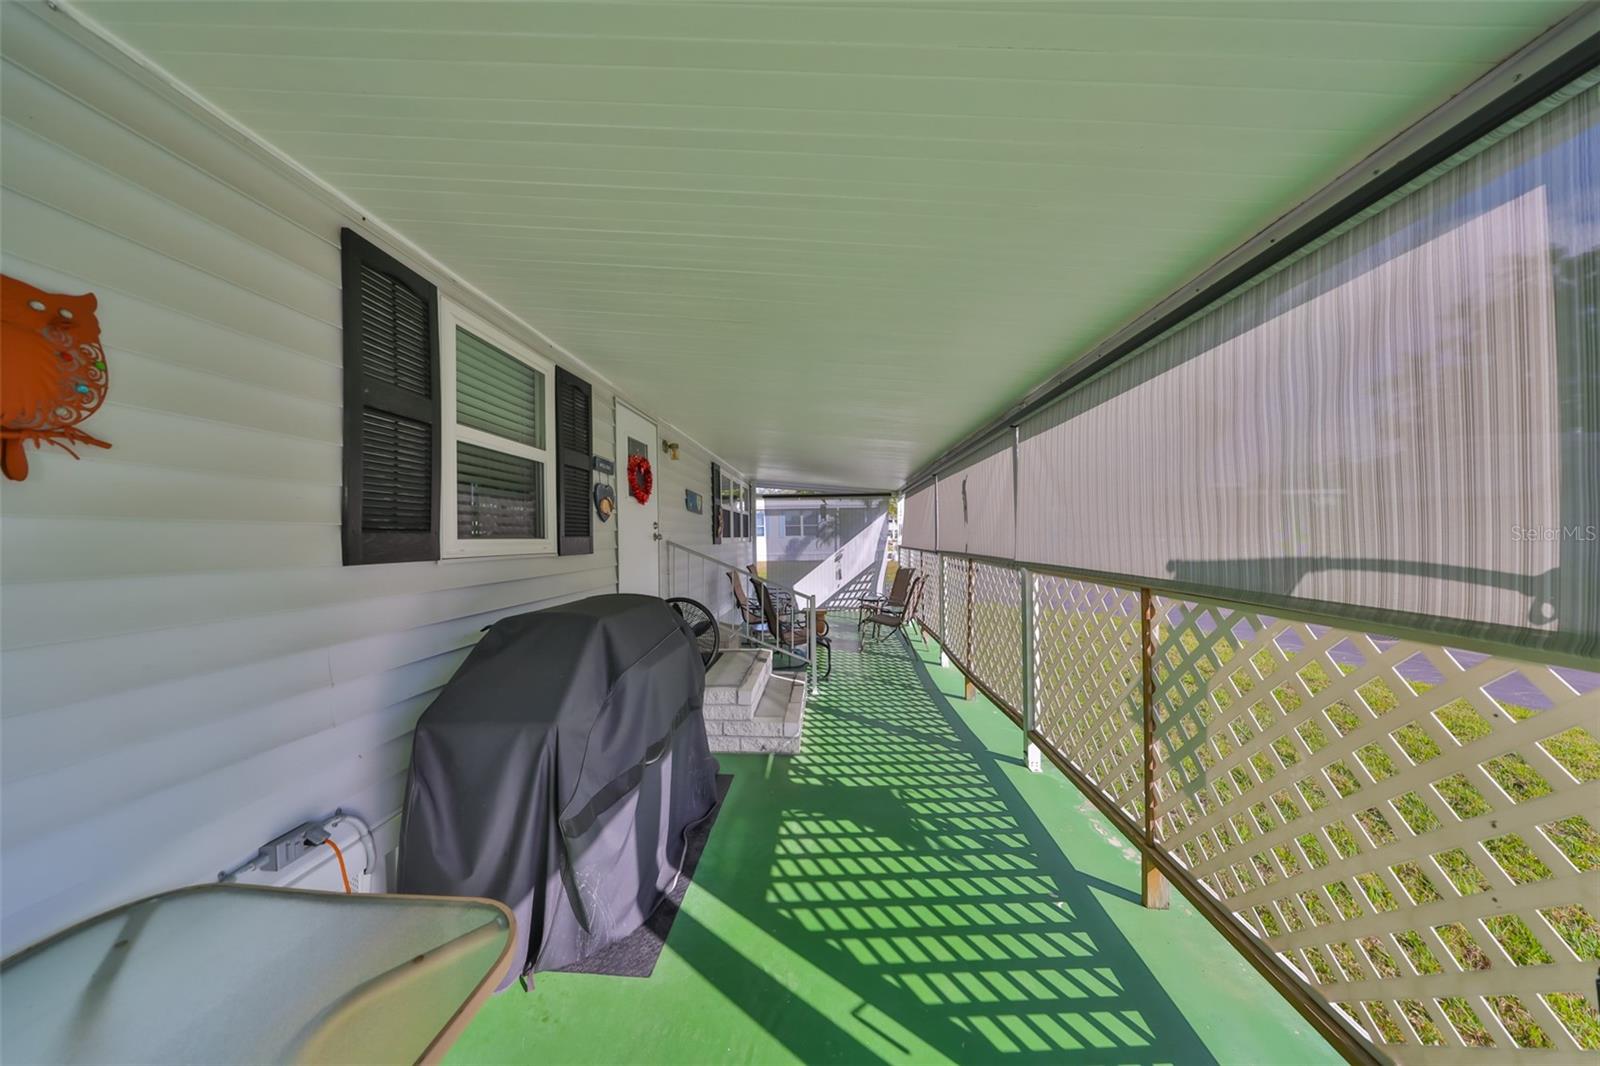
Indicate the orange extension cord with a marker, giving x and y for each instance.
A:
(339, 854)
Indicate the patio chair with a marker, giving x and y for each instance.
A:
(780, 596)
(884, 622)
(793, 639)
(899, 592)
(749, 612)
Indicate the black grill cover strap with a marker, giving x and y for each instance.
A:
(578, 824)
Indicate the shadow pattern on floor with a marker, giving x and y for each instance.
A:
(636, 954)
(903, 863)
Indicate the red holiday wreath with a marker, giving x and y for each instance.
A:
(640, 478)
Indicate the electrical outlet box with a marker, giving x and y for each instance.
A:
(281, 851)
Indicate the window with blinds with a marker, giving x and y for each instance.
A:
(496, 393)
(730, 506)
(497, 495)
(456, 437)
(497, 450)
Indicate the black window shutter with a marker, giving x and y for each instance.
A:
(391, 408)
(574, 464)
(716, 503)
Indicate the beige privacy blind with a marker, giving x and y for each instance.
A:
(916, 527)
(1402, 422)
(976, 512)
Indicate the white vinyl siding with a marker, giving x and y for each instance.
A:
(692, 471)
(188, 669)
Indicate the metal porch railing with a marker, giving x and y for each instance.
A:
(687, 572)
(1400, 836)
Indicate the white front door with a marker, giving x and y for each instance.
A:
(638, 530)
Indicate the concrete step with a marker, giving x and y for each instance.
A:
(736, 681)
(773, 728)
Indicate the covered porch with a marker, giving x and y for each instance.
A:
(1222, 378)
(905, 890)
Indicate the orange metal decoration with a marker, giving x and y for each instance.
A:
(52, 371)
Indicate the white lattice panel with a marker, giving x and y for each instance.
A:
(1087, 683)
(954, 595)
(995, 616)
(927, 564)
(910, 559)
(1409, 828)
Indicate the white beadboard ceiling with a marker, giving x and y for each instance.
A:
(827, 239)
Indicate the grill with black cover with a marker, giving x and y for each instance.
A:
(559, 770)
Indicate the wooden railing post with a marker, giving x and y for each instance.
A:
(966, 656)
(1156, 893)
(1030, 751)
(944, 627)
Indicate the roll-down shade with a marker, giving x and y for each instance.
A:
(916, 526)
(976, 509)
(1402, 422)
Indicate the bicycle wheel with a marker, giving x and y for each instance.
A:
(707, 633)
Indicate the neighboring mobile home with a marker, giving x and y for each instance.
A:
(835, 544)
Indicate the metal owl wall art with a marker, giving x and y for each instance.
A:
(52, 372)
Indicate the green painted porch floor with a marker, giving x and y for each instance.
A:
(904, 890)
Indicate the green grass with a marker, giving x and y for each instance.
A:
(1579, 1018)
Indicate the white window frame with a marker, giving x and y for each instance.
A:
(451, 544)
(800, 517)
